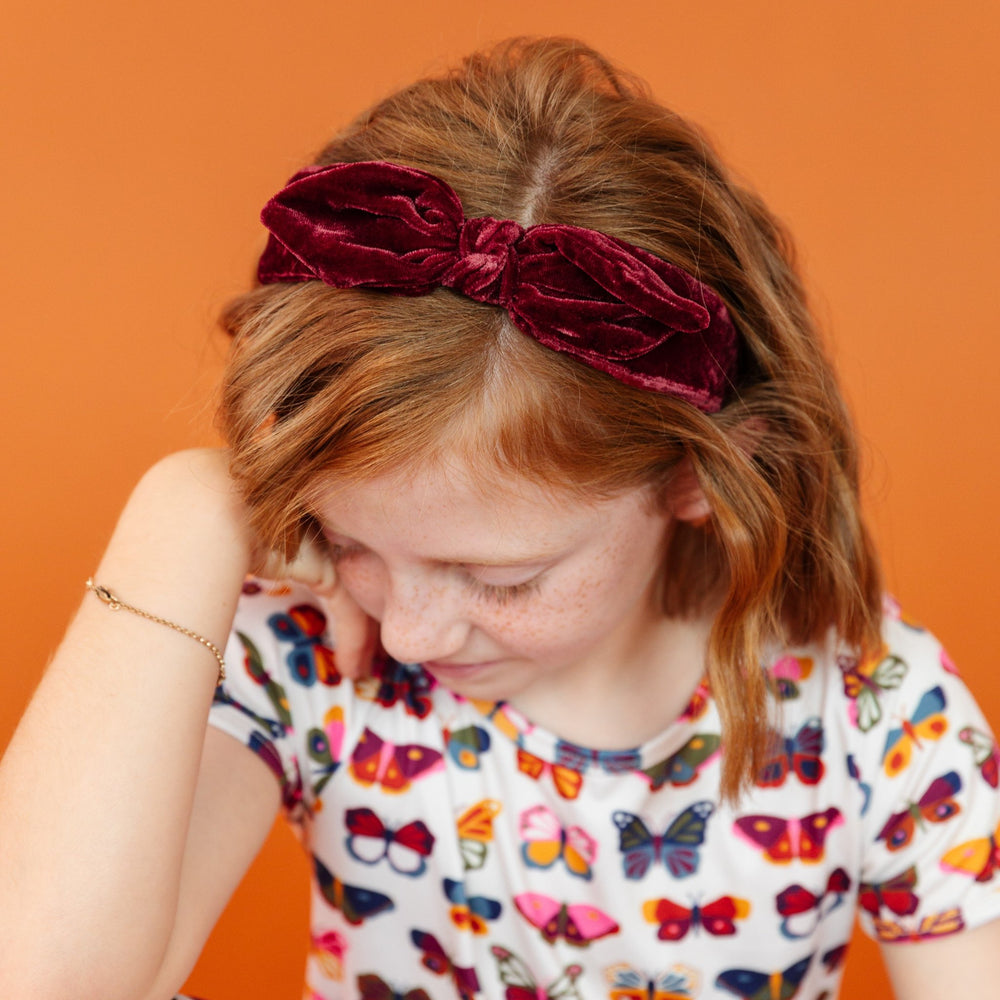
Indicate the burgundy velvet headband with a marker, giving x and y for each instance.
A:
(614, 306)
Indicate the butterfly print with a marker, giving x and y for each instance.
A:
(782, 840)
(895, 894)
(799, 754)
(291, 787)
(328, 950)
(565, 780)
(936, 925)
(677, 983)
(357, 904)
(786, 673)
(717, 918)
(521, 984)
(324, 745)
(752, 985)
(392, 682)
(254, 664)
(372, 987)
(835, 957)
(865, 680)
(475, 831)
(435, 958)
(369, 840)
(576, 923)
(546, 842)
(578, 758)
(854, 772)
(467, 745)
(936, 805)
(985, 752)
(979, 858)
(698, 703)
(928, 723)
(310, 660)
(378, 762)
(677, 847)
(272, 727)
(470, 912)
(801, 910)
(682, 767)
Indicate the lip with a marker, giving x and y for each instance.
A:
(455, 670)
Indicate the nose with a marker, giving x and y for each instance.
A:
(421, 623)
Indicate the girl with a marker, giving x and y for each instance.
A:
(529, 411)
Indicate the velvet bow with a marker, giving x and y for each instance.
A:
(614, 306)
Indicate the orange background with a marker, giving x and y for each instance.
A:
(140, 140)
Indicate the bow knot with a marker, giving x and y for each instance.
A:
(485, 265)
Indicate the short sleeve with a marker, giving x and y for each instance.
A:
(931, 761)
(278, 640)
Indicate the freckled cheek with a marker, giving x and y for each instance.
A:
(364, 580)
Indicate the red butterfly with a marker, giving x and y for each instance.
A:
(394, 768)
(370, 840)
(801, 910)
(895, 894)
(373, 987)
(782, 839)
(935, 806)
(576, 923)
(436, 959)
(799, 754)
(717, 918)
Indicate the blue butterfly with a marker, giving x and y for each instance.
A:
(309, 659)
(677, 848)
(466, 745)
(752, 985)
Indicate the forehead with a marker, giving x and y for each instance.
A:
(443, 511)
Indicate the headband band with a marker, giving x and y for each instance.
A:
(613, 306)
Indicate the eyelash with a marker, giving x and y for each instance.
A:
(504, 594)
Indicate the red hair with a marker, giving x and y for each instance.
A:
(356, 384)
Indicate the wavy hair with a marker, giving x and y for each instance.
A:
(355, 384)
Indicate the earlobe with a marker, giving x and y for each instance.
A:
(686, 500)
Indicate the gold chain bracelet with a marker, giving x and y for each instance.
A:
(115, 603)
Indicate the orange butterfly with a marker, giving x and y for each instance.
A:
(979, 858)
(567, 782)
(936, 925)
(928, 723)
(475, 831)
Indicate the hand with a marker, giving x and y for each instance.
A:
(356, 634)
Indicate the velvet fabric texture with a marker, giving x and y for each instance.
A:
(613, 306)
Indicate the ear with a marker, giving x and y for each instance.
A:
(686, 501)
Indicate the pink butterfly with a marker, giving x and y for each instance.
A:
(782, 839)
(545, 842)
(394, 768)
(577, 923)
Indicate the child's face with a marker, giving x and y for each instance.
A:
(508, 595)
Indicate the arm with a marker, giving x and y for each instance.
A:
(120, 839)
(959, 965)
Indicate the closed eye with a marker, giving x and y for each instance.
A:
(503, 593)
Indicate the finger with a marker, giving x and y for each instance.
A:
(355, 634)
